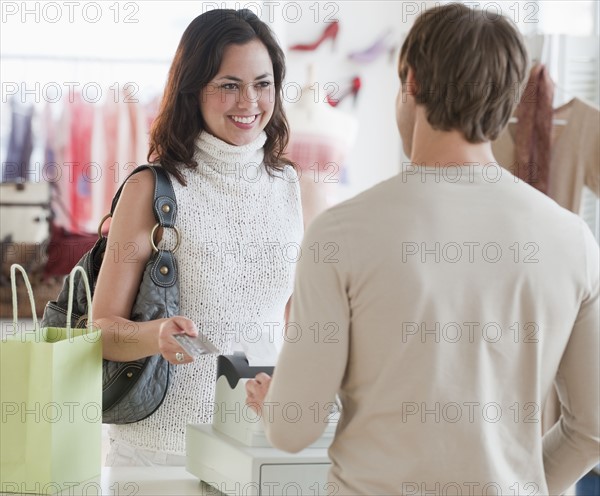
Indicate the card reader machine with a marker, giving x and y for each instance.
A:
(233, 455)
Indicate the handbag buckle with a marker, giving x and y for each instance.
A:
(177, 236)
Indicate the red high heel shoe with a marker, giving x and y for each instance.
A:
(331, 31)
(353, 90)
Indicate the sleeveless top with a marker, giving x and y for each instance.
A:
(241, 229)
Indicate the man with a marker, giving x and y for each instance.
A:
(442, 305)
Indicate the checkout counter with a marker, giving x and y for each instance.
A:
(166, 481)
(234, 451)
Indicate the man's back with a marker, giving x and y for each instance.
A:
(463, 290)
(442, 304)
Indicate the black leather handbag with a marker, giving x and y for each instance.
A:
(131, 391)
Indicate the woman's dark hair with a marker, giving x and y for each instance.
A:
(197, 61)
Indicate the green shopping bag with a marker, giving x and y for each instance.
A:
(51, 402)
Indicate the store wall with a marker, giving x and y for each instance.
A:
(113, 45)
(103, 47)
(376, 153)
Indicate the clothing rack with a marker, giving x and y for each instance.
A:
(73, 58)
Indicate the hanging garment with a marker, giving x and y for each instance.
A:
(80, 171)
(55, 171)
(98, 153)
(575, 153)
(533, 129)
(20, 144)
(320, 162)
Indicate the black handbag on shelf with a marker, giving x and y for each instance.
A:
(131, 391)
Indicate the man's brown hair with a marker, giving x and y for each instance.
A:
(469, 67)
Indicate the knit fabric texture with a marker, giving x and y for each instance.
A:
(241, 229)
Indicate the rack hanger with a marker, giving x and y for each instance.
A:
(555, 122)
(535, 43)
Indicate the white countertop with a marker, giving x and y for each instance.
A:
(152, 481)
(142, 481)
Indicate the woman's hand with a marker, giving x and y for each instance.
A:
(168, 347)
(256, 390)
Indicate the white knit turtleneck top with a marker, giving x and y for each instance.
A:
(240, 234)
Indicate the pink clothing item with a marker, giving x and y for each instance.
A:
(111, 167)
(81, 174)
(120, 144)
(312, 153)
(319, 159)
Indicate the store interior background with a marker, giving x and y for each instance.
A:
(134, 54)
(132, 43)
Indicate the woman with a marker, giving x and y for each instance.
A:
(220, 132)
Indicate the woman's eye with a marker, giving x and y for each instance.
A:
(264, 84)
(229, 86)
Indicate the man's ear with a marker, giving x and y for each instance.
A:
(411, 83)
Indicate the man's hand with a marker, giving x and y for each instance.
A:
(256, 390)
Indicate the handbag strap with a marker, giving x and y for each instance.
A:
(163, 195)
(164, 206)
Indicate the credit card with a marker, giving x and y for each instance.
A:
(194, 347)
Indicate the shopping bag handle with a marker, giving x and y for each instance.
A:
(88, 295)
(13, 285)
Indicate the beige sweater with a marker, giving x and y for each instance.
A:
(442, 309)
